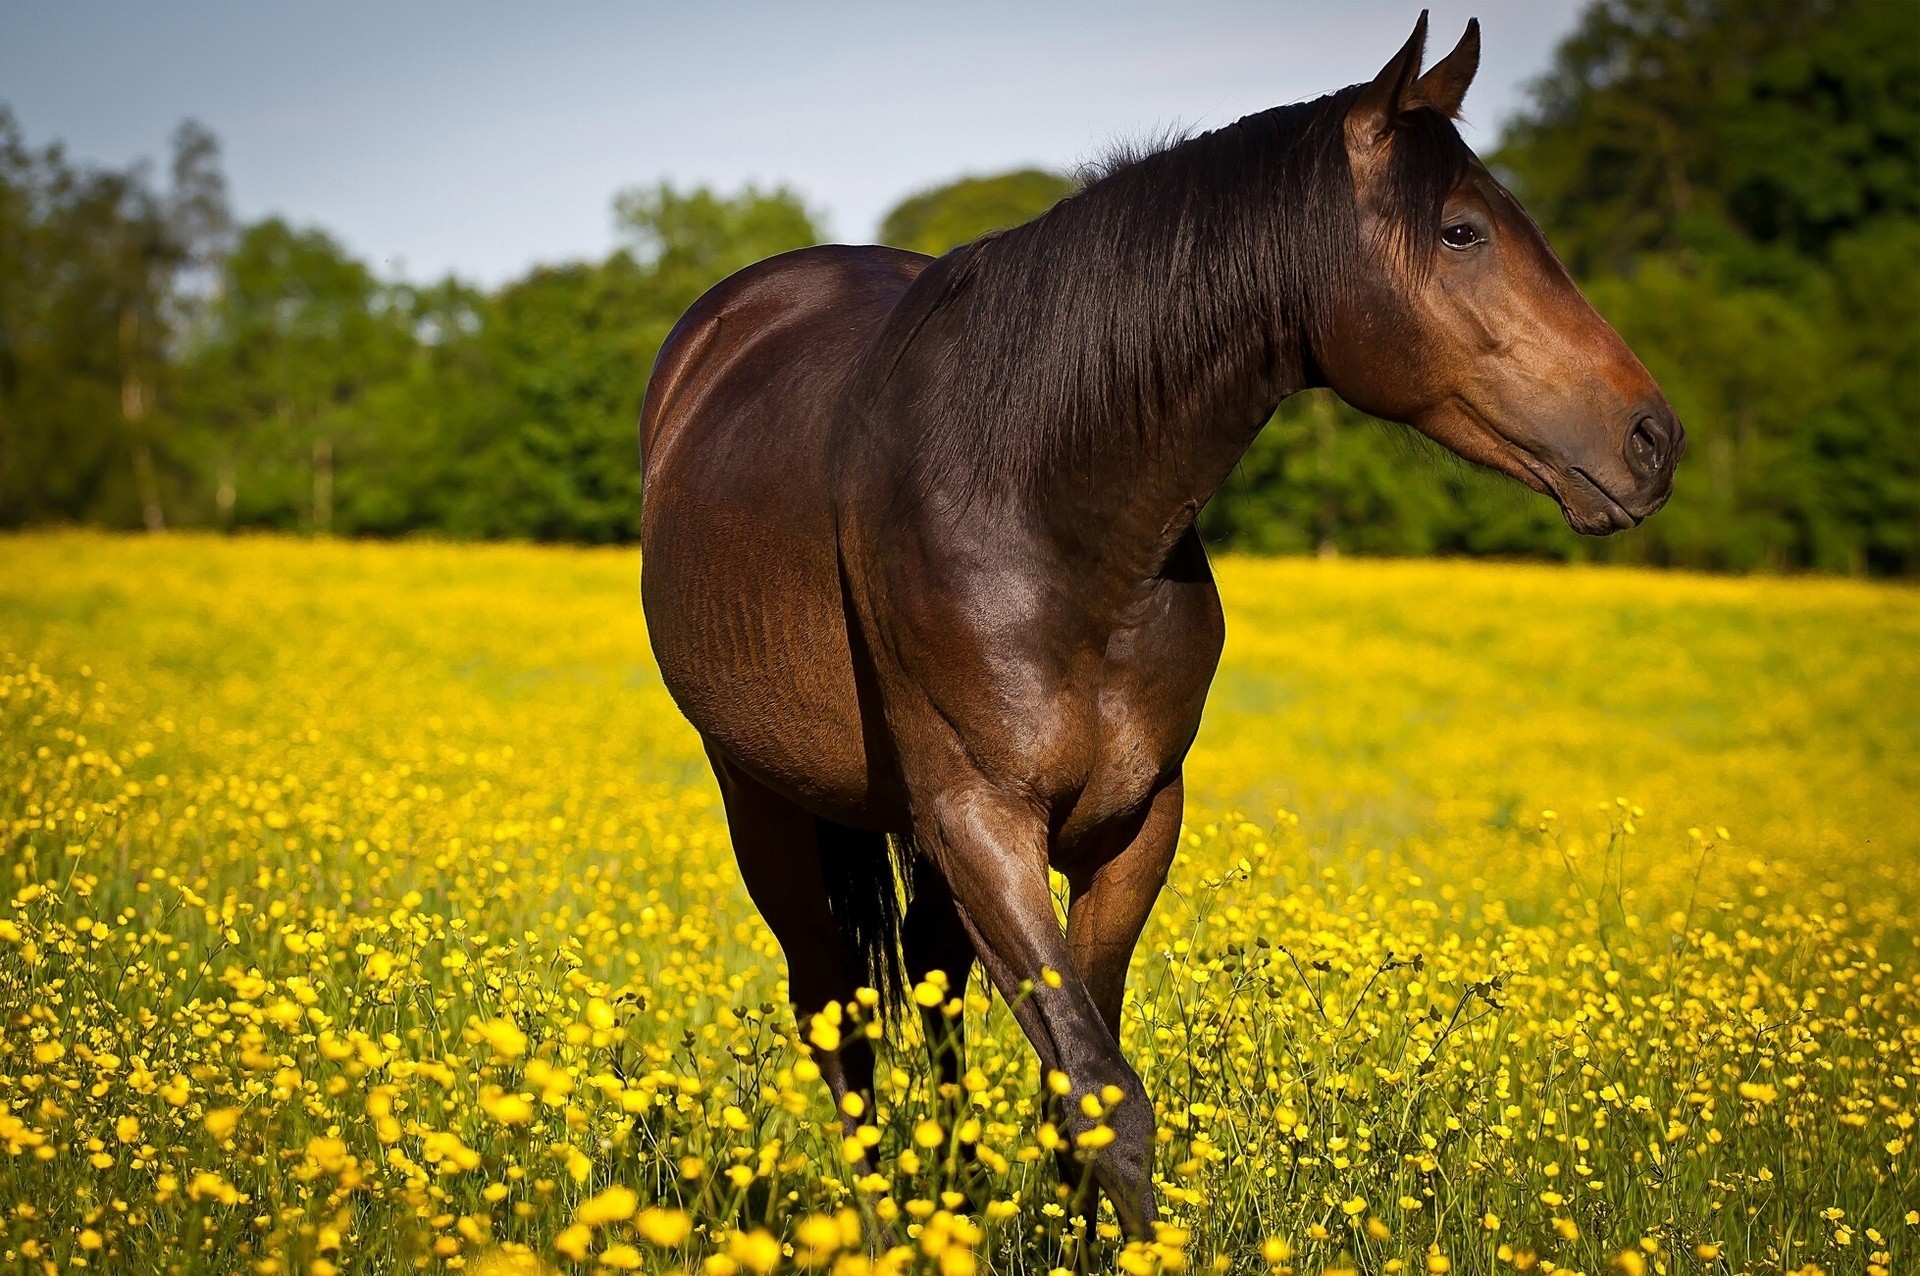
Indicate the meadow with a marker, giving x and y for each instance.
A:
(368, 908)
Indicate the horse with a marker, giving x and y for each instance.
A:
(918, 550)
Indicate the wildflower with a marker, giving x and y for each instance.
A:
(574, 1242)
(757, 1251)
(505, 1038)
(505, 1107)
(615, 1204)
(666, 1228)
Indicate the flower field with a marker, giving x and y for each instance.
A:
(368, 908)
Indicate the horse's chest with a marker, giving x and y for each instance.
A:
(1147, 710)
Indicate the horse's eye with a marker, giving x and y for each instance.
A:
(1460, 236)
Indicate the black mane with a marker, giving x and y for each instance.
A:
(1135, 303)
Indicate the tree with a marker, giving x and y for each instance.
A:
(93, 283)
(1740, 187)
(944, 217)
(282, 372)
(1751, 132)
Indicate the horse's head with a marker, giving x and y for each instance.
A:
(1461, 322)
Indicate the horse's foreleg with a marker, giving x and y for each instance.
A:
(992, 849)
(1110, 905)
(778, 847)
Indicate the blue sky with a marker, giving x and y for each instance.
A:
(481, 137)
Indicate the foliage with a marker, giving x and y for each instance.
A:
(1740, 186)
(959, 212)
(369, 907)
(94, 269)
(510, 414)
(1757, 133)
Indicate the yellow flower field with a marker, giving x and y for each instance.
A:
(368, 909)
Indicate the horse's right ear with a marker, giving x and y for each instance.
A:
(1445, 84)
(1380, 104)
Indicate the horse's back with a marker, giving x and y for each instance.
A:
(740, 577)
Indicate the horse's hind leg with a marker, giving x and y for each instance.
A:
(778, 845)
(933, 938)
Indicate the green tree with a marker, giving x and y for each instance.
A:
(282, 373)
(95, 274)
(1739, 185)
(940, 219)
(1757, 133)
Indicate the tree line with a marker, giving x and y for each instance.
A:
(1737, 187)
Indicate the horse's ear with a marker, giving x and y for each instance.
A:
(1444, 86)
(1380, 103)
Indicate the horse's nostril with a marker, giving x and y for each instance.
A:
(1647, 445)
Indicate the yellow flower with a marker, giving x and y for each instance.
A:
(505, 1107)
(663, 1227)
(220, 1122)
(574, 1242)
(505, 1038)
(757, 1251)
(613, 1205)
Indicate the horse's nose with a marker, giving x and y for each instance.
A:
(1654, 444)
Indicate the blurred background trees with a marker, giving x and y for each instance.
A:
(1736, 185)
(938, 220)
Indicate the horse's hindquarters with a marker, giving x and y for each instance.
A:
(740, 578)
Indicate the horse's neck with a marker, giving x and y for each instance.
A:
(1123, 505)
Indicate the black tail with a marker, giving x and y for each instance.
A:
(866, 892)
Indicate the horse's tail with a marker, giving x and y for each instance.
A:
(866, 892)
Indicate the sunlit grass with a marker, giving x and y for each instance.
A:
(368, 908)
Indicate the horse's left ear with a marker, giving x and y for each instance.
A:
(1444, 86)
(1378, 108)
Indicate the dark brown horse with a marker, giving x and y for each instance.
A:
(919, 552)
